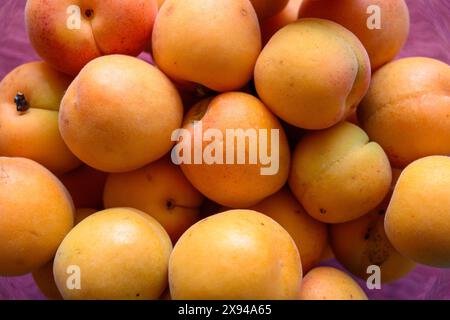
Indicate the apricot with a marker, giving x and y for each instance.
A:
(29, 104)
(36, 212)
(43, 277)
(120, 253)
(286, 16)
(361, 243)
(227, 30)
(268, 8)
(382, 43)
(407, 109)
(68, 34)
(230, 166)
(309, 235)
(119, 113)
(338, 175)
(418, 217)
(159, 189)
(326, 283)
(237, 254)
(85, 185)
(312, 73)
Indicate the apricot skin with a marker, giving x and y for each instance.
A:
(114, 27)
(407, 109)
(361, 243)
(381, 44)
(160, 190)
(237, 254)
(36, 212)
(227, 30)
(312, 73)
(119, 114)
(236, 185)
(418, 217)
(34, 134)
(309, 235)
(338, 175)
(122, 253)
(326, 283)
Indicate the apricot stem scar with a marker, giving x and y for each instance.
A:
(89, 13)
(21, 102)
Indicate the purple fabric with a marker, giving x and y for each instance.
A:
(430, 29)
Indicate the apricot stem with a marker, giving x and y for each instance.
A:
(171, 204)
(21, 102)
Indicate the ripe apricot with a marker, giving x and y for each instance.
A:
(119, 253)
(326, 283)
(160, 190)
(70, 33)
(309, 235)
(338, 175)
(382, 42)
(245, 124)
(228, 31)
(361, 243)
(119, 113)
(312, 73)
(30, 96)
(237, 254)
(407, 109)
(36, 212)
(418, 217)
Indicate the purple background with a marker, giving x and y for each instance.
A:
(429, 36)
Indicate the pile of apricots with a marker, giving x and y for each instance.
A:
(93, 205)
